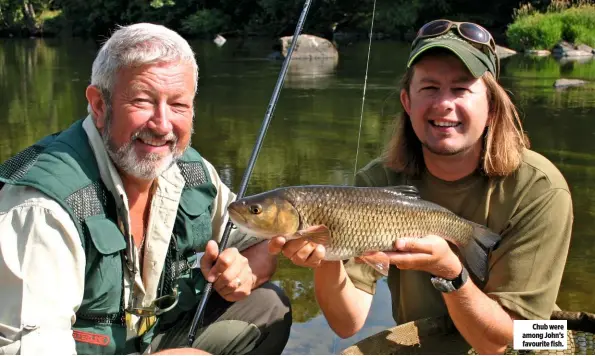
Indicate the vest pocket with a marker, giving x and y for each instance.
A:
(192, 230)
(102, 298)
(193, 222)
(104, 269)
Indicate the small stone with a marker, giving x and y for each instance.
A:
(538, 52)
(565, 83)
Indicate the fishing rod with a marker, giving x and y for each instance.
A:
(244, 184)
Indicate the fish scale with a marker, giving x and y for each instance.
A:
(361, 220)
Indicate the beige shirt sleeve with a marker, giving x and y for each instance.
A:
(42, 266)
(219, 216)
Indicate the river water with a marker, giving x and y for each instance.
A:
(313, 137)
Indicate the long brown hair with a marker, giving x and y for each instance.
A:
(503, 145)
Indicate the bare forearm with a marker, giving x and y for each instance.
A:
(344, 306)
(486, 326)
(262, 263)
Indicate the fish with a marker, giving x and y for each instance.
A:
(353, 221)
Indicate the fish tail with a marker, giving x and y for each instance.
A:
(477, 250)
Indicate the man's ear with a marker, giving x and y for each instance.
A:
(405, 101)
(98, 106)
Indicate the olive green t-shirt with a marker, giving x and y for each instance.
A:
(532, 211)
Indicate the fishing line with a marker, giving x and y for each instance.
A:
(361, 119)
(244, 184)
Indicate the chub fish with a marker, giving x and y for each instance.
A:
(350, 221)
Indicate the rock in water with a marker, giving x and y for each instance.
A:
(565, 83)
(566, 49)
(504, 52)
(309, 47)
(219, 40)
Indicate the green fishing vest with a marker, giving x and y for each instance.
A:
(63, 166)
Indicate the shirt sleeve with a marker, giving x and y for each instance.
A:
(219, 216)
(42, 266)
(526, 269)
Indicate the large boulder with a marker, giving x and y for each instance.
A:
(503, 52)
(309, 47)
(566, 49)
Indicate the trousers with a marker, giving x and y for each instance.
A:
(259, 324)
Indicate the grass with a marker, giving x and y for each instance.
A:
(531, 29)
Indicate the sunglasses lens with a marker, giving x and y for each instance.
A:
(434, 27)
(474, 33)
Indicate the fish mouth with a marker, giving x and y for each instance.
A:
(235, 216)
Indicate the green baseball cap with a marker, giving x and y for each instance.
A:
(478, 61)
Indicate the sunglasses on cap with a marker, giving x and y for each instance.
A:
(470, 31)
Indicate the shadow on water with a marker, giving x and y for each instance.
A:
(313, 135)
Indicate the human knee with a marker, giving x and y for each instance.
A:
(273, 301)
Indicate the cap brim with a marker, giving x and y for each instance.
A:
(465, 52)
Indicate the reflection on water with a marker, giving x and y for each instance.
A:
(310, 73)
(313, 135)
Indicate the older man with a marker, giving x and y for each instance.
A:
(461, 143)
(101, 224)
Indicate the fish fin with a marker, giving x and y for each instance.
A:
(379, 261)
(477, 250)
(319, 234)
(407, 190)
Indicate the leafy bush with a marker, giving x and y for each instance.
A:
(205, 22)
(579, 25)
(543, 30)
(537, 31)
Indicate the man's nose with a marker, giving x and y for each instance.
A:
(160, 122)
(445, 100)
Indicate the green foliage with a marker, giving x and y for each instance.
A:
(157, 4)
(524, 10)
(205, 22)
(272, 18)
(579, 24)
(535, 30)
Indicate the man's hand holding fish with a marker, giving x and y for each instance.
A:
(431, 254)
(302, 252)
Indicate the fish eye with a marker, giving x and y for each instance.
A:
(256, 209)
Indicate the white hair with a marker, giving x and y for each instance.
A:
(135, 45)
